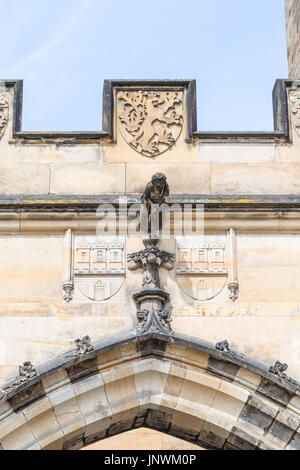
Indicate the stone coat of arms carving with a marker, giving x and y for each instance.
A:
(150, 121)
(4, 102)
(99, 266)
(201, 267)
(295, 108)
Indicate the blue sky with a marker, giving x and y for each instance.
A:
(64, 49)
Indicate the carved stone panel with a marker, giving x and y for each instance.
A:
(150, 120)
(295, 108)
(4, 102)
(201, 266)
(99, 266)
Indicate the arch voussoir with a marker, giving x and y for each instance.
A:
(176, 385)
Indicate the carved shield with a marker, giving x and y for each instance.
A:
(150, 121)
(201, 266)
(99, 266)
(3, 113)
(295, 108)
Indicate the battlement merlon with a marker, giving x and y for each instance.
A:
(281, 134)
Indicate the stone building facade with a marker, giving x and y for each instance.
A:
(292, 8)
(193, 333)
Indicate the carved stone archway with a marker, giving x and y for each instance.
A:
(174, 384)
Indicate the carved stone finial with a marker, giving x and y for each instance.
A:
(223, 346)
(83, 346)
(279, 369)
(27, 372)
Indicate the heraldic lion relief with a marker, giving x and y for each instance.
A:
(151, 121)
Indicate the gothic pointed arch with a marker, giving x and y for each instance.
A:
(176, 384)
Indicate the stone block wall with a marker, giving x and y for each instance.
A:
(292, 8)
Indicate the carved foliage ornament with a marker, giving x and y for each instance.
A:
(151, 121)
(295, 108)
(3, 113)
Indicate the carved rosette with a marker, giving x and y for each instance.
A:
(4, 104)
(295, 110)
(150, 121)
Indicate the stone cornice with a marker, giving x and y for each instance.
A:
(212, 202)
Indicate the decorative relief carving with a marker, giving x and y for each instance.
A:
(83, 346)
(279, 369)
(26, 372)
(150, 260)
(4, 103)
(154, 313)
(201, 266)
(153, 302)
(223, 346)
(150, 120)
(99, 266)
(295, 108)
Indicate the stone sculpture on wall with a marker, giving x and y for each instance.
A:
(99, 267)
(26, 372)
(4, 101)
(152, 302)
(201, 266)
(295, 108)
(95, 268)
(155, 194)
(205, 264)
(150, 260)
(151, 121)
